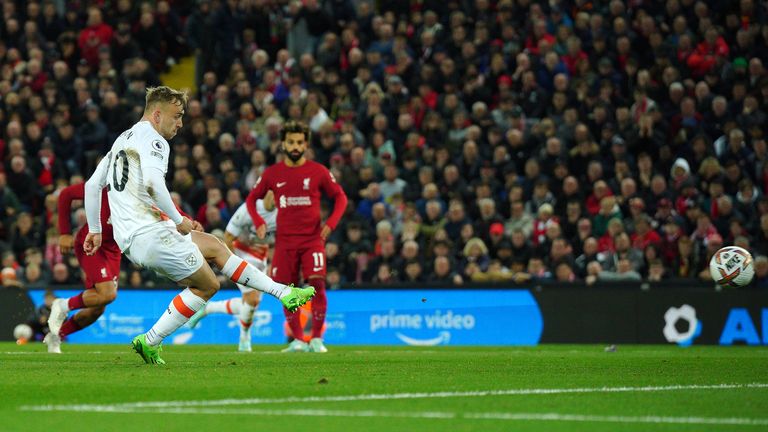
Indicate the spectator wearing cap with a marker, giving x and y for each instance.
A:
(496, 236)
(505, 253)
(664, 211)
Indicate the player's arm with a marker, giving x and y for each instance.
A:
(66, 196)
(92, 203)
(154, 180)
(257, 193)
(154, 165)
(196, 226)
(334, 191)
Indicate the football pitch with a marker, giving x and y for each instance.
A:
(551, 387)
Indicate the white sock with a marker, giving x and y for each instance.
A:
(230, 306)
(181, 308)
(246, 318)
(64, 302)
(239, 271)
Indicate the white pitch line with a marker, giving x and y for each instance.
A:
(733, 421)
(741, 421)
(119, 407)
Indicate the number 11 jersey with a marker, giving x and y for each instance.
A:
(130, 202)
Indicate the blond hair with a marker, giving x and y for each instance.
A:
(164, 94)
(475, 242)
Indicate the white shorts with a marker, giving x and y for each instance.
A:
(260, 264)
(166, 251)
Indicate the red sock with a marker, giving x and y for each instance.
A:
(70, 326)
(294, 323)
(319, 306)
(76, 302)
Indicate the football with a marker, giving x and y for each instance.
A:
(22, 333)
(732, 266)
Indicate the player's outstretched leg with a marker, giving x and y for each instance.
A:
(180, 310)
(239, 271)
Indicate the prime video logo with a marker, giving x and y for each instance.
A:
(436, 320)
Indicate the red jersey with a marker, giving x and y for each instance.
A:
(297, 198)
(77, 192)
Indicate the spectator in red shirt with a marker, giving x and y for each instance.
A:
(93, 37)
(644, 234)
(708, 54)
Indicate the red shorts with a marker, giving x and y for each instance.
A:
(103, 266)
(287, 260)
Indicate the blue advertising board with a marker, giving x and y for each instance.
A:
(372, 317)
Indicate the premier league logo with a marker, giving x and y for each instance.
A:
(191, 260)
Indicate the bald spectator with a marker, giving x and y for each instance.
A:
(62, 276)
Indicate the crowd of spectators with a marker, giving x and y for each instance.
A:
(509, 140)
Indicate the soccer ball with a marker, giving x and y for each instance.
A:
(732, 266)
(22, 333)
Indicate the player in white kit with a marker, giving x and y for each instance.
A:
(240, 235)
(153, 234)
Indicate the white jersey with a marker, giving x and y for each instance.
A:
(132, 208)
(241, 225)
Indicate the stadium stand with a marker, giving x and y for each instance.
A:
(509, 140)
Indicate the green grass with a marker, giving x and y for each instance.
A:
(100, 374)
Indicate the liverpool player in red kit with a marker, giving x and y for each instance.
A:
(300, 237)
(101, 272)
